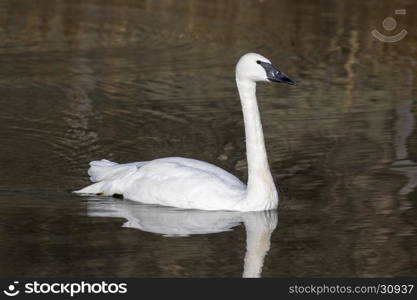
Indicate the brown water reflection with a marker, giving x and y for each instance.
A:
(135, 80)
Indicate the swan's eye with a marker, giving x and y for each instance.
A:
(258, 62)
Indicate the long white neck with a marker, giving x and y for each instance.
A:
(261, 191)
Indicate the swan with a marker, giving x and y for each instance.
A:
(174, 222)
(192, 184)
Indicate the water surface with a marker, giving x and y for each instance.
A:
(137, 80)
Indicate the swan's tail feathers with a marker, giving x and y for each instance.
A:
(96, 188)
(109, 177)
(101, 170)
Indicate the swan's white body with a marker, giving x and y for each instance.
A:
(193, 184)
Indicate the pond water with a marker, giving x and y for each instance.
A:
(137, 80)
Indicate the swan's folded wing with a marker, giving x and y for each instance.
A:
(185, 183)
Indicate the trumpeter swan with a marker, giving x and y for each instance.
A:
(173, 222)
(193, 184)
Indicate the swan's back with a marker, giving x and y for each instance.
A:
(188, 165)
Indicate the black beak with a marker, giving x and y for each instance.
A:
(275, 75)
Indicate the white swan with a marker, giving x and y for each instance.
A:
(173, 222)
(193, 184)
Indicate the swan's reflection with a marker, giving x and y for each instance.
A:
(175, 222)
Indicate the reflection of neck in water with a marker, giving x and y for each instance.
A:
(258, 240)
(170, 221)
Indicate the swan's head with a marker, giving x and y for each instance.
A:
(254, 67)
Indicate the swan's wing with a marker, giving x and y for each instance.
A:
(204, 167)
(185, 183)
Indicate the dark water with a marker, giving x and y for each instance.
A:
(137, 80)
